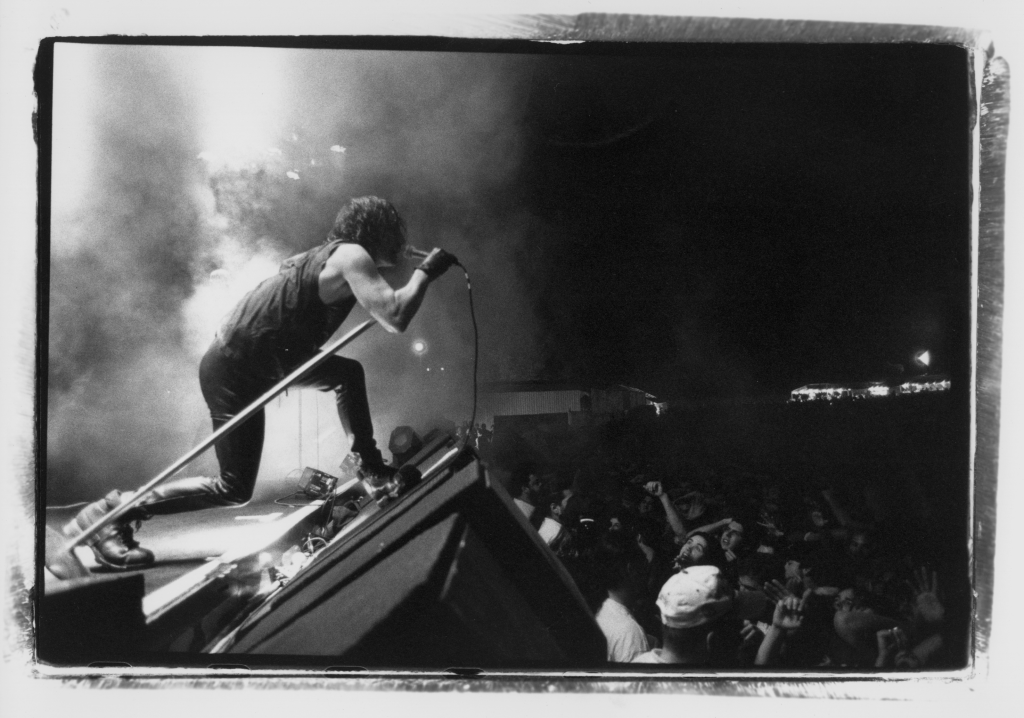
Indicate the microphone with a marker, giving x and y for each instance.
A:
(412, 252)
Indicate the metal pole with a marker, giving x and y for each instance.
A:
(220, 433)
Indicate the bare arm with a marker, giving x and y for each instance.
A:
(351, 271)
(768, 651)
(655, 489)
(710, 528)
(842, 515)
(788, 617)
(678, 527)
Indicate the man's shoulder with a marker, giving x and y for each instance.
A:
(613, 615)
(612, 607)
(339, 251)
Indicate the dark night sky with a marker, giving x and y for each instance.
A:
(747, 219)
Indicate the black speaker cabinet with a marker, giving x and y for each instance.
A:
(88, 620)
(450, 576)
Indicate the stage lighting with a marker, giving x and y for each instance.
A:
(404, 443)
(419, 347)
(923, 358)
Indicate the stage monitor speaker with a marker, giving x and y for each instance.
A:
(87, 620)
(450, 576)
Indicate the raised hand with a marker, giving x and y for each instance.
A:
(654, 488)
(751, 634)
(776, 591)
(789, 614)
(927, 606)
(891, 640)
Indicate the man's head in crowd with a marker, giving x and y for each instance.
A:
(699, 549)
(738, 535)
(816, 517)
(558, 503)
(848, 599)
(692, 602)
(646, 505)
(859, 545)
(526, 485)
(622, 566)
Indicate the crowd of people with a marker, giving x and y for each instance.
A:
(479, 435)
(735, 567)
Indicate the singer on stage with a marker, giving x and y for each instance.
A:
(276, 327)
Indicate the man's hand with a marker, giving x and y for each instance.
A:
(751, 634)
(776, 591)
(891, 640)
(789, 614)
(437, 263)
(654, 488)
(927, 606)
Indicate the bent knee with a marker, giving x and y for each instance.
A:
(230, 494)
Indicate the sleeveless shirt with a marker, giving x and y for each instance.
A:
(283, 322)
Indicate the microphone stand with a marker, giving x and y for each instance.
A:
(220, 433)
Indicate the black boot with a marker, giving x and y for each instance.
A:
(114, 546)
(377, 477)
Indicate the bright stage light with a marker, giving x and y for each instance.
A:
(242, 99)
(419, 347)
(924, 358)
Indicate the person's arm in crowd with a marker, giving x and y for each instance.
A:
(751, 638)
(920, 655)
(788, 617)
(841, 514)
(890, 641)
(648, 551)
(859, 629)
(776, 591)
(655, 489)
(711, 528)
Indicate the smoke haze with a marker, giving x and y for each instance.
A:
(163, 217)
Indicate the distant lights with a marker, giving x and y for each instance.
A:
(912, 387)
(292, 174)
(338, 148)
(832, 392)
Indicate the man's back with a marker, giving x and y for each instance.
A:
(626, 639)
(283, 320)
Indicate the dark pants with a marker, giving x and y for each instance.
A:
(230, 385)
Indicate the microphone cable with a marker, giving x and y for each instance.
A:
(476, 358)
(416, 253)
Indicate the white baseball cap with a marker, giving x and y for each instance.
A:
(701, 594)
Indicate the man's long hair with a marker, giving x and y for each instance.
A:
(372, 223)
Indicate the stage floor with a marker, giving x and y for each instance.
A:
(185, 541)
